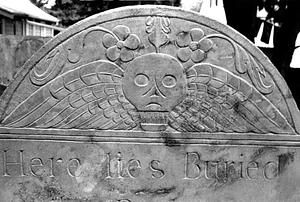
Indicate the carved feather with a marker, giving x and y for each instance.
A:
(219, 101)
(88, 97)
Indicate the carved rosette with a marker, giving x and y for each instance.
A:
(121, 44)
(193, 45)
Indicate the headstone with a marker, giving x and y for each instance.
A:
(149, 104)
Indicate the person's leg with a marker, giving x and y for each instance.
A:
(284, 45)
(241, 15)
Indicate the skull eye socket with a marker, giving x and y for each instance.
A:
(141, 80)
(169, 81)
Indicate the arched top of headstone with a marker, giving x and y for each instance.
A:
(150, 68)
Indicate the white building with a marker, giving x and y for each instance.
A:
(21, 17)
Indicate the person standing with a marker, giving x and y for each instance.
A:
(209, 8)
(285, 36)
(284, 45)
(241, 15)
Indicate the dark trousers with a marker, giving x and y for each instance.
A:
(241, 15)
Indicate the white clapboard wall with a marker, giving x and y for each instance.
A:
(296, 56)
(210, 8)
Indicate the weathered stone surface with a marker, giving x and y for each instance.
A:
(14, 52)
(149, 104)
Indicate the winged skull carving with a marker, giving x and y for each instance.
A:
(89, 96)
(154, 93)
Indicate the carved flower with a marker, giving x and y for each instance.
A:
(120, 44)
(193, 45)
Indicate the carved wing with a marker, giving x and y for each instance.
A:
(88, 97)
(219, 101)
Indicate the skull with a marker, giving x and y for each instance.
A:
(154, 82)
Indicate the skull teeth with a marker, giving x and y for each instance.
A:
(153, 117)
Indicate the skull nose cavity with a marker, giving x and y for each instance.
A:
(154, 92)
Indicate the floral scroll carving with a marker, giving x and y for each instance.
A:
(194, 46)
(55, 61)
(52, 65)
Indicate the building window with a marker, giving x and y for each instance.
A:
(9, 27)
(48, 31)
(37, 30)
(30, 29)
(1, 31)
(18, 28)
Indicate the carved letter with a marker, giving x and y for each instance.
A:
(120, 165)
(233, 170)
(51, 167)
(195, 163)
(108, 166)
(228, 171)
(241, 170)
(207, 170)
(72, 168)
(251, 166)
(35, 162)
(221, 171)
(157, 172)
(133, 168)
(6, 164)
(270, 170)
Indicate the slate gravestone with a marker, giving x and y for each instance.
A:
(149, 104)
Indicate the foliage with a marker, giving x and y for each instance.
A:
(39, 3)
(72, 11)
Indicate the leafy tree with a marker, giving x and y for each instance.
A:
(39, 3)
(72, 11)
